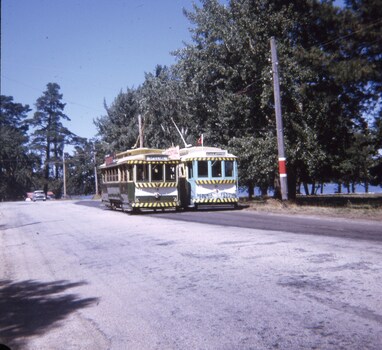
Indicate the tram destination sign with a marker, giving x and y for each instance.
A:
(109, 159)
(216, 154)
(159, 157)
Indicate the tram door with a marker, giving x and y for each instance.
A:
(185, 176)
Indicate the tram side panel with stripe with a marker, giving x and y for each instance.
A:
(208, 176)
(143, 178)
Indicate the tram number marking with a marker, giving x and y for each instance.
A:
(213, 195)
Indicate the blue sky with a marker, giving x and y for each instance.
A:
(92, 49)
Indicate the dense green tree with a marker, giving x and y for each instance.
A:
(163, 102)
(358, 162)
(16, 163)
(80, 165)
(376, 169)
(323, 85)
(257, 166)
(158, 101)
(366, 45)
(118, 129)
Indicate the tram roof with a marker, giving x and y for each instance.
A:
(205, 153)
(138, 152)
(135, 156)
(151, 155)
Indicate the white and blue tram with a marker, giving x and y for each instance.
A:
(142, 178)
(208, 176)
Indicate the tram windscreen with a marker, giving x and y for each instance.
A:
(228, 168)
(202, 168)
(217, 168)
(190, 170)
(157, 172)
(170, 172)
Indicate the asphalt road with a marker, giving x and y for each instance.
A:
(333, 227)
(74, 276)
(371, 231)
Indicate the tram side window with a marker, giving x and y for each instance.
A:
(170, 172)
(203, 168)
(228, 168)
(190, 170)
(129, 173)
(111, 175)
(157, 172)
(115, 175)
(142, 172)
(125, 173)
(122, 171)
(216, 168)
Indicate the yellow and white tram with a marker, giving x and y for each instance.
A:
(208, 176)
(140, 178)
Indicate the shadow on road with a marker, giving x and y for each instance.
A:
(31, 308)
(205, 208)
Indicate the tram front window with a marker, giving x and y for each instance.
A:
(157, 172)
(170, 172)
(228, 168)
(217, 168)
(190, 170)
(203, 168)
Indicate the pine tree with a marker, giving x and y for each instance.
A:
(50, 135)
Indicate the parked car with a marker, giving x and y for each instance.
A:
(38, 196)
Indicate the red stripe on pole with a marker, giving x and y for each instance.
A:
(282, 166)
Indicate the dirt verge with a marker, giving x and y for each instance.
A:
(367, 207)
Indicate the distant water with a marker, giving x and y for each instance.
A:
(329, 188)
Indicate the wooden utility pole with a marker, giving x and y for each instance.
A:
(64, 172)
(279, 123)
(95, 172)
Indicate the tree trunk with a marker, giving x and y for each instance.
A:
(251, 189)
(264, 191)
(306, 188)
(47, 161)
(298, 188)
(313, 189)
(292, 182)
(277, 186)
(366, 187)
